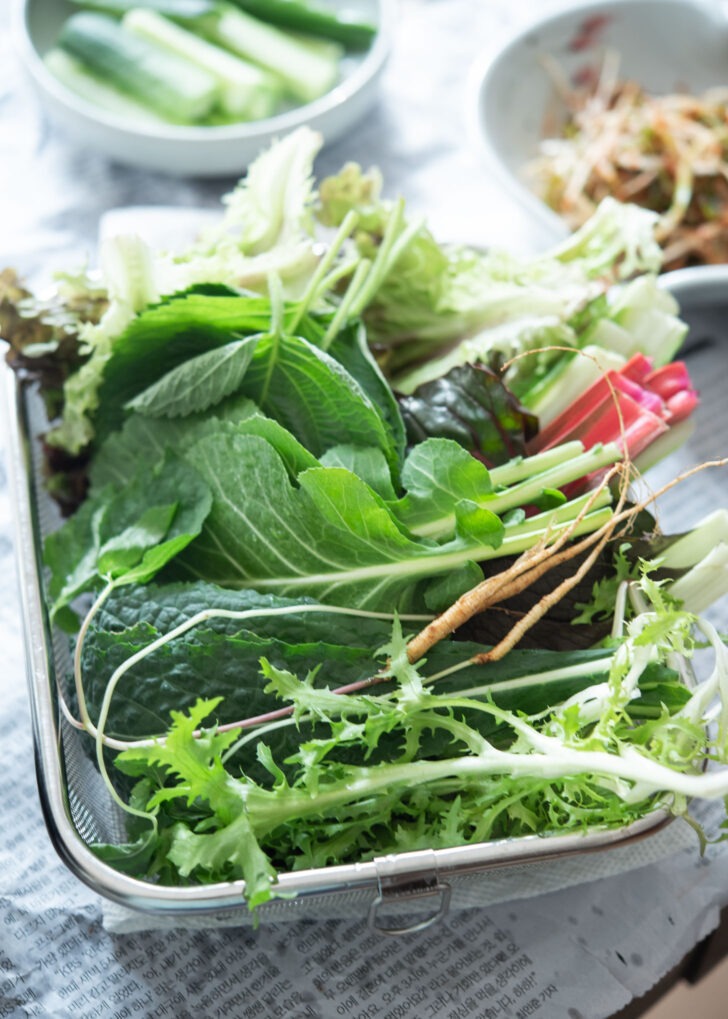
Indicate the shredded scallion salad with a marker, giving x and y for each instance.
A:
(668, 153)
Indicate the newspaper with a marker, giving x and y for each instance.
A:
(581, 952)
(556, 950)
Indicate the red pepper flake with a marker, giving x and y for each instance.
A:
(585, 77)
(588, 32)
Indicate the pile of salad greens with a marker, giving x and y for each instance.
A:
(351, 563)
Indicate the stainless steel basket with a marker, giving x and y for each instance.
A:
(398, 892)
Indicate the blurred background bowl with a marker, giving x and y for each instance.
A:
(702, 294)
(664, 45)
(197, 151)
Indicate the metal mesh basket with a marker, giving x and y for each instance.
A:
(399, 893)
(94, 815)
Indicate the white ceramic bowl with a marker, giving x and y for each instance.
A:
(196, 151)
(702, 293)
(665, 45)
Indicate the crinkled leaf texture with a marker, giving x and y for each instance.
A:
(341, 648)
(324, 807)
(232, 849)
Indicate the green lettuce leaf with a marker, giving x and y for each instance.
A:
(125, 536)
(165, 336)
(199, 382)
(329, 536)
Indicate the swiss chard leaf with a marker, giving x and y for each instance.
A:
(473, 407)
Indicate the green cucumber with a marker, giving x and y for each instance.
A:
(306, 72)
(89, 87)
(246, 91)
(162, 81)
(290, 15)
(312, 20)
(172, 8)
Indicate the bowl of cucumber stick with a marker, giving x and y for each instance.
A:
(198, 87)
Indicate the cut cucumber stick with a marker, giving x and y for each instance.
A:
(201, 62)
(173, 87)
(246, 92)
(313, 19)
(310, 18)
(306, 72)
(89, 87)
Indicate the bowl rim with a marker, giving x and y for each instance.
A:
(693, 282)
(367, 70)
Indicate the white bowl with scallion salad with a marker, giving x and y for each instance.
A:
(618, 98)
